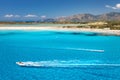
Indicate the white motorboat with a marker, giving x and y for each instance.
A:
(20, 63)
(29, 64)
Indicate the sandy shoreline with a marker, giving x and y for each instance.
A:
(104, 31)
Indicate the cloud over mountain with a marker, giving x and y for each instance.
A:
(8, 15)
(30, 16)
(43, 16)
(11, 16)
(117, 6)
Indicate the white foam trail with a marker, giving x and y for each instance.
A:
(82, 49)
(72, 63)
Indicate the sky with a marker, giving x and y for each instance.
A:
(36, 9)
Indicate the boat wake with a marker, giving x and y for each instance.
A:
(70, 64)
(83, 49)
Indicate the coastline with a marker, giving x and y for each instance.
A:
(104, 31)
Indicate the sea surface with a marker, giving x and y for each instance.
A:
(40, 25)
(64, 55)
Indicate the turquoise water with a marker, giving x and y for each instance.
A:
(62, 53)
(41, 25)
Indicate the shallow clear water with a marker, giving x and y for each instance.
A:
(65, 51)
(40, 25)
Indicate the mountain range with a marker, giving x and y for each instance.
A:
(112, 16)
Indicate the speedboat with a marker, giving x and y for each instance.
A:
(21, 63)
(28, 64)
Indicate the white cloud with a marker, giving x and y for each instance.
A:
(110, 7)
(30, 16)
(117, 6)
(11, 16)
(43, 16)
(8, 15)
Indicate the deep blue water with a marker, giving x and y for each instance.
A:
(59, 48)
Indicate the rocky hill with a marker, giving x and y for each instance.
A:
(112, 16)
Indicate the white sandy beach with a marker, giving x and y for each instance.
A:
(104, 31)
